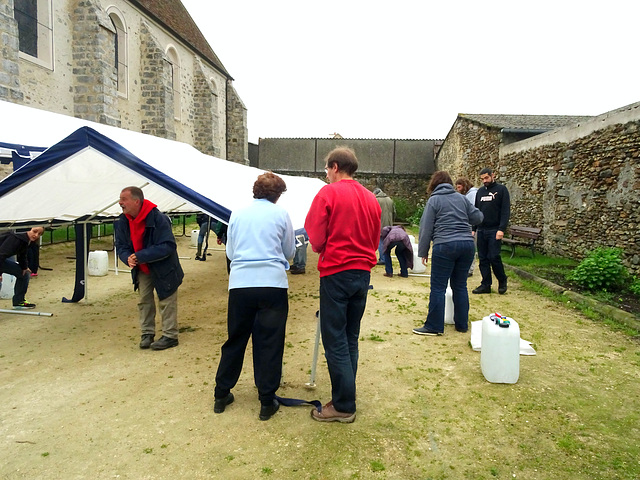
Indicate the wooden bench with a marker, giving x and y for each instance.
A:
(524, 236)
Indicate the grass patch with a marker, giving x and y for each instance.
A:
(555, 270)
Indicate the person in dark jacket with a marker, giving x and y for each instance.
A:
(493, 201)
(220, 229)
(386, 218)
(145, 242)
(396, 237)
(206, 223)
(17, 244)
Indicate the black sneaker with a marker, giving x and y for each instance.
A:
(163, 343)
(425, 331)
(24, 305)
(482, 289)
(297, 271)
(146, 340)
(267, 411)
(502, 288)
(219, 404)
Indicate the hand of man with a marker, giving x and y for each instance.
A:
(499, 235)
(132, 260)
(425, 260)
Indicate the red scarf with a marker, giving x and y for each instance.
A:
(137, 226)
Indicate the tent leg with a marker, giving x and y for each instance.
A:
(85, 245)
(115, 251)
(314, 361)
(26, 312)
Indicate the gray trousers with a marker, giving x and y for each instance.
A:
(147, 308)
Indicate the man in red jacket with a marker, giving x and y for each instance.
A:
(343, 225)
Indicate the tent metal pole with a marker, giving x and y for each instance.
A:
(85, 259)
(25, 312)
(314, 362)
(115, 250)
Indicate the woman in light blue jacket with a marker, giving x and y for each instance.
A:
(260, 240)
(446, 221)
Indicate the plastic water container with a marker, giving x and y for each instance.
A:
(418, 267)
(98, 265)
(194, 237)
(500, 352)
(7, 286)
(448, 306)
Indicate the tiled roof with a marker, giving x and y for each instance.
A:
(175, 18)
(525, 122)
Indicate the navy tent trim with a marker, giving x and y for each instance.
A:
(87, 137)
(20, 154)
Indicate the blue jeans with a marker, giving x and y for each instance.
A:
(489, 256)
(381, 255)
(450, 262)
(400, 249)
(22, 281)
(204, 228)
(300, 257)
(343, 298)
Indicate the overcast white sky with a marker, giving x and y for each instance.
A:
(405, 69)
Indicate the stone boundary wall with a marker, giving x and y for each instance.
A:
(579, 184)
(468, 148)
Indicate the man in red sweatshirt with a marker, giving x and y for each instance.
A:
(343, 225)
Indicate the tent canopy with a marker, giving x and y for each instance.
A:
(81, 175)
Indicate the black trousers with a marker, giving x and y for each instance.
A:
(259, 313)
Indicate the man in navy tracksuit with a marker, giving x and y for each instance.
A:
(493, 201)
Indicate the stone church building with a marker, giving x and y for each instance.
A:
(141, 65)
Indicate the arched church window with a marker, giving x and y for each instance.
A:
(174, 60)
(121, 60)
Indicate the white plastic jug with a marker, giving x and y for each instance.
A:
(7, 286)
(500, 351)
(194, 237)
(448, 306)
(418, 267)
(98, 264)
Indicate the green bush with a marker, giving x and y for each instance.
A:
(403, 208)
(635, 287)
(601, 270)
(417, 215)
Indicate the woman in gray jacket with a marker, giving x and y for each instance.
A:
(446, 222)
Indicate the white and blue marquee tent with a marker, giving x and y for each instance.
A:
(85, 165)
(75, 170)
